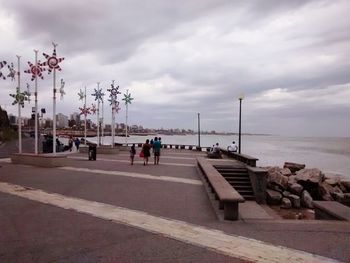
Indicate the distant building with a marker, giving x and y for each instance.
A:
(76, 118)
(12, 119)
(61, 121)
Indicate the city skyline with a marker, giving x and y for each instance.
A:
(290, 59)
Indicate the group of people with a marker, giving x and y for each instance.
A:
(72, 141)
(216, 153)
(154, 145)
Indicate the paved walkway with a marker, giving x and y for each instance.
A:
(110, 211)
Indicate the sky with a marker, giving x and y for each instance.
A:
(289, 59)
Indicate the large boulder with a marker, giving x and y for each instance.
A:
(343, 198)
(293, 167)
(286, 203)
(275, 177)
(296, 188)
(313, 175)
(345, 184)
(306, 199)
(292, 179)
(295, 200)
(273, 197)
(286, 172)
(326, 191)
(332, 181)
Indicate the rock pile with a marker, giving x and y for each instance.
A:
(296, 186)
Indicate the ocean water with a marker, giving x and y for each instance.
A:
(331, 155)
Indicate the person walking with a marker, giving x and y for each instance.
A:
(132, 154)
(156, 150)
(70, 143)
(146, 149)
(77, 143)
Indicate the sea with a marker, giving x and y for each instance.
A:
(330, 155)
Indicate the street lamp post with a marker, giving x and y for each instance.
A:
(199, 132)
(240, 123)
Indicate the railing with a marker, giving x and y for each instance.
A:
(174, 146)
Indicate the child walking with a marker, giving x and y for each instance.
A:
(132, 154)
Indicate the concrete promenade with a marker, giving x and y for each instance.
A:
(110, 211)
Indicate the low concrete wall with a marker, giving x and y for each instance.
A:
(258, 180)
(42, 160)
(103, 149)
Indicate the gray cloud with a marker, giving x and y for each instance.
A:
(195, 56)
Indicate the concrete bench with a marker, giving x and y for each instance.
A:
(331, 210)
(42, 160)
(228, 197)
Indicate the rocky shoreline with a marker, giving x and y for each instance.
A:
(295, 186)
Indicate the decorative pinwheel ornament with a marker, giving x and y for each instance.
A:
(84, 111)
(28, 93)
(98, 94)
(12, 73)
(62, 92)
(93, 109)
(19, 97)
(35, 70)
(114, 90)
(127, 97)
(52, 61)
(81, 94)
(2, 64)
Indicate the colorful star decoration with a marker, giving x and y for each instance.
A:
(81, 94)
(19, 97)
(114, 90)
(127, 98)
(93, 109)
(98, 94)
(52, 61)
(62, 92)
(12, 73)
(84, 111)
(2, 64)
(35, 70)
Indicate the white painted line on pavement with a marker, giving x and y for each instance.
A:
(135, 175)
(5, 160)
(135, 162)
(218, 241)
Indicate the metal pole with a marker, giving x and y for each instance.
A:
(85, 117)
(126, 124)
(102, 128)
(98, 117)
(239, 132)
(113, 122)
(19, 106)
(199, 131)
(36, 103)
(54, 112)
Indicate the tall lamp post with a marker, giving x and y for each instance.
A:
(199, 131)
(241, 97)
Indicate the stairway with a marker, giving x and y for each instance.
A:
(238, 177)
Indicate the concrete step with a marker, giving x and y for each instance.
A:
(234, 178)
(249, 197)
(238, 183)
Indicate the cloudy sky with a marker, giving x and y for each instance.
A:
(290, 59)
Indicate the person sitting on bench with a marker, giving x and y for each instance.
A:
(215, 152)
(232, 147)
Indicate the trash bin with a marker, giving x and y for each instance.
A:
(92, 152)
